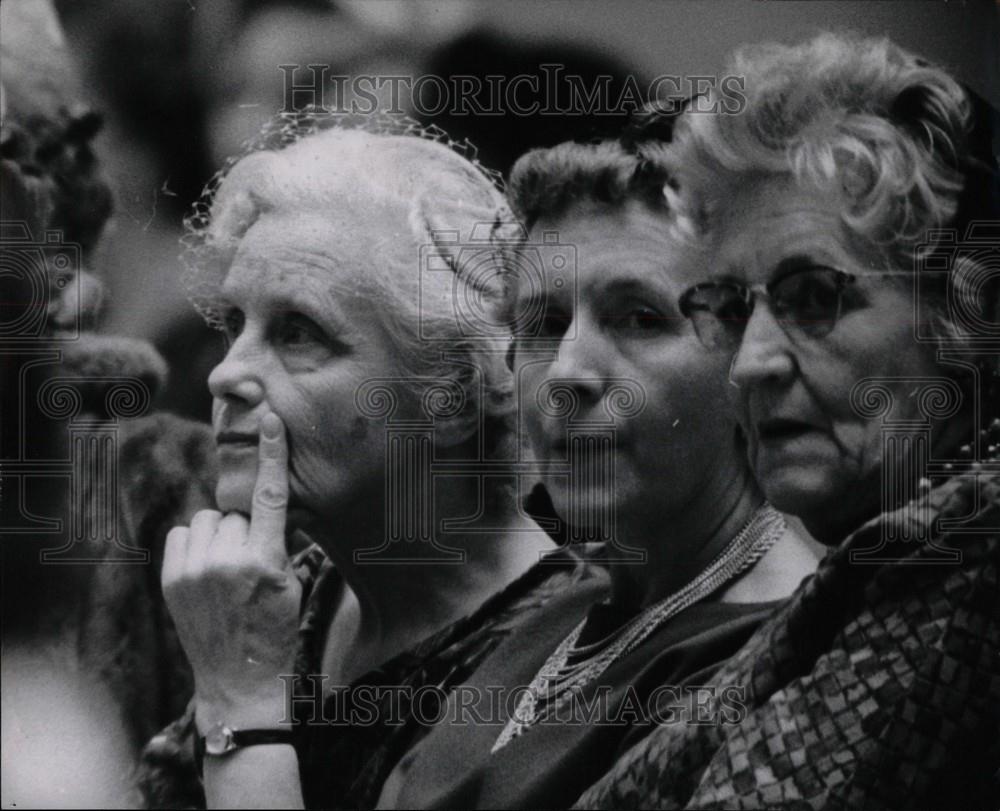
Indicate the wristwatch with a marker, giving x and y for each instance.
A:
(221, 740)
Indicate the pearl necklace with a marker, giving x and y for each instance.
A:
(557, 682)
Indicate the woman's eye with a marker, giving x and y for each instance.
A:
(297, 330)
(640, 319)
(232, 325)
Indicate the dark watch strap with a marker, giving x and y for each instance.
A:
(238, 739)
(252, 737)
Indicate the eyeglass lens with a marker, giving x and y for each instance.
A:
(807, 301)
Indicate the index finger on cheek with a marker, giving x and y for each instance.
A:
(270, 496)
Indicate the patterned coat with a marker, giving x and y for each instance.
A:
(878, 686)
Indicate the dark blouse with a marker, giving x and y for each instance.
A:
(550, 763)
(877, 686)
(349, 739)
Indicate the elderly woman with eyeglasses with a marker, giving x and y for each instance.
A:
(864, 348)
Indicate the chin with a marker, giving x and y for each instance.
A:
(802, 490)
(801, 477)
(234, 493)
(582, 505)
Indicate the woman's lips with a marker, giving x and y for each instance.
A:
(230, 438)
(229, 443)
(783, 430)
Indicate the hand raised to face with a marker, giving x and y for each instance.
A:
(235, 600)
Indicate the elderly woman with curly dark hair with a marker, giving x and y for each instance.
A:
(864, 346)
(625, 412)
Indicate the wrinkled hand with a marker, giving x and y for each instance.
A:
(235, 601)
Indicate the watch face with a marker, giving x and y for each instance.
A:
(219, 740)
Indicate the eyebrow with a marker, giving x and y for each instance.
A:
(787, 266)
(615, 287)
(309, 296)
(634, 286)
(799, 261)
(729, 277)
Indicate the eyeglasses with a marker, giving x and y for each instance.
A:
(806, 301)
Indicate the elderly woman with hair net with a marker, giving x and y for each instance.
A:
(339, 340)
(851, 211)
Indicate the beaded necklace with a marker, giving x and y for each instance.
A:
(558, 681)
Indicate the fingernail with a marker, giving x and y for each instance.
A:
(270, 426)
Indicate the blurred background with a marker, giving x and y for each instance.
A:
(115, 114)
(181, 83)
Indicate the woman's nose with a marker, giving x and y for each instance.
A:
(237, 377)
(580, 359)
(765, 353)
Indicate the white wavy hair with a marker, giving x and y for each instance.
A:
(428, 199)
(839, 111)
(860, 115)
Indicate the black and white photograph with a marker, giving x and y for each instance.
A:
(500, 404)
